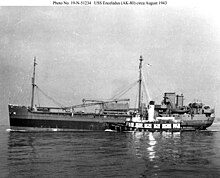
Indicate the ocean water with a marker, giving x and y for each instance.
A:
(105, 154)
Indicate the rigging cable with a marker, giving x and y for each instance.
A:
(136, 98)
(56, 102)
(155, 84)
(146, 89)
(38, 99)
(161, 92)
(125, 91)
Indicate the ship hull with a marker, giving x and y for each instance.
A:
(23, 119)
(55, 125)
(202, 124)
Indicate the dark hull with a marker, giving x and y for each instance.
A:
(198, 124)
(21, 118)
(56, 124)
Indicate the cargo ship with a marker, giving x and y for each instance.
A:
(113, 115)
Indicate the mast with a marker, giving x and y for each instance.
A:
(140, 80)
(33, 84)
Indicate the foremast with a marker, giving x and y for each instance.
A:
(33, 85)
(140, 90)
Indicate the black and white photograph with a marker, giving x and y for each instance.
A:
(110, 89)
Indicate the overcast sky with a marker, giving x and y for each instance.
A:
(93, 52)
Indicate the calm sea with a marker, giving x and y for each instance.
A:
(101, 154)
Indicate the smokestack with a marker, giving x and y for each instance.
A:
(151, 111)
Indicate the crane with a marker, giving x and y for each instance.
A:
(95, 102)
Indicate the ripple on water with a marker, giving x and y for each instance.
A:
(101, 154)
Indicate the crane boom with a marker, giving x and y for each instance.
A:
(95, 102)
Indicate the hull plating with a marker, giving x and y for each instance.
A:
(22, 118)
